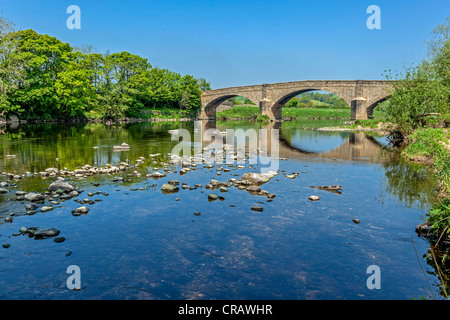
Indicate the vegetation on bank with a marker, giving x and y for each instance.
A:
(44, 78)
(419, 111)
(240, 111)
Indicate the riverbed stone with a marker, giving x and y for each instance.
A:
(33, 197)
(46, 208)
(212, 197)
(253, 189)
(3, 191)
(314, 198)
(59, 184)
(46, 232)
(81, 210)
(258, 178)
(169, 188)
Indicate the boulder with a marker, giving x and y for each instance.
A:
(258, 178)
(32, 196)
(253, 189)
(59, 184)
(49, 232)
(169, 188)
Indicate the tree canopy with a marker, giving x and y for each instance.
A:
(42, 77)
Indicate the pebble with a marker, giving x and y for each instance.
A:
(46, 209)
(212, 197)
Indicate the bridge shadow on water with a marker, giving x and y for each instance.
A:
(310, 143)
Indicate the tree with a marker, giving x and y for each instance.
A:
(203, 84)
(11, 68)
(41, 58)
(422, 89)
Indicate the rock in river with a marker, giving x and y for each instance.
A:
(81, 210)
(32, 196)
(258, 178)
(169, 188)
(212, 197)
(2, 190)
(314, 198)
(49, 232)
(253, 189)
(59, 184)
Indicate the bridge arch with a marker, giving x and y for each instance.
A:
(358, 94)
(374, 105)
(277, 107)
(210, 108)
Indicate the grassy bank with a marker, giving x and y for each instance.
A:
(431, 146)
(294, 113)
(163, 113)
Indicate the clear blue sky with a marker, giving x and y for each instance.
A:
(232, 43)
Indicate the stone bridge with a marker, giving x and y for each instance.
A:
(361, 95)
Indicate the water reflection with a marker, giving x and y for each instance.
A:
(143, 244)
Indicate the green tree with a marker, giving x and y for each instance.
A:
(423, 89)
(203, 84)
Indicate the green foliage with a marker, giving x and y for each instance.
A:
(316, 113)
(262, 118)
(423, 89)
(42, 77)
(432, 143)
(439, 216)
(316, 100)
(239, 112)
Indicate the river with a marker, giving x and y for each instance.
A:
(138, 243)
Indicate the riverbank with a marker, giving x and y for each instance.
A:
(431, 147)
(252, 112)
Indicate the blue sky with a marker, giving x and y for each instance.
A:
(232, 43)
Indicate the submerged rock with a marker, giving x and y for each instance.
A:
(48, 232)
(59, 239)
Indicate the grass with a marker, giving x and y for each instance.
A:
(317, 113)
(431, 143)
(295, 113)
(239, 112)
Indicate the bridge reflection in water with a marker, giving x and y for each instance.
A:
(357, 146)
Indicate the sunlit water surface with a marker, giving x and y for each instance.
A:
(137, 243)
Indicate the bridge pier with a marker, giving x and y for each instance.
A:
(358, 109)
(265, 108)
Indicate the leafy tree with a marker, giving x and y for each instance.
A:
(203, 84)
(423, 89)
(42, 77)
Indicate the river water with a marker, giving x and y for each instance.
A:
(138, 243)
